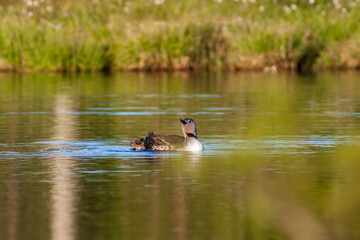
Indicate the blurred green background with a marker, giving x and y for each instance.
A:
(179, 35)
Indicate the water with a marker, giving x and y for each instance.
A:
(281, 157)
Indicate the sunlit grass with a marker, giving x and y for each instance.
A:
(178, 35)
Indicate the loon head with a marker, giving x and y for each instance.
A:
(188, 127)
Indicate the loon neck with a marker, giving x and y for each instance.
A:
(190, 135)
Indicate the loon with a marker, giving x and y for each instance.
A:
(188, 142)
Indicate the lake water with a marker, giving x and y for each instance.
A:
(281, 159)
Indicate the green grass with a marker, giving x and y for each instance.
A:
(178, 35)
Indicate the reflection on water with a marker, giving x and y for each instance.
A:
(63, 193)
(281, 155)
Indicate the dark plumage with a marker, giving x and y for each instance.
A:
(188, 142)
(157, 142)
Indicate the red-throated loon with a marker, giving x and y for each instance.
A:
(188, 142)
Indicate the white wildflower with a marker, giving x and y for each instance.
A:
(126, 9)
(344, 10)
(30, 14)
(323, 13)
(261, 8)
(36, 3)
(158, 2)
(287, 9)
(352, 4)
(311, 1)
(293, 6)
(49, 8)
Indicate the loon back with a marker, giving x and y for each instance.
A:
(166, 143)
(158, 142)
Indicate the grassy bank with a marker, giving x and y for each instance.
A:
(179, 35)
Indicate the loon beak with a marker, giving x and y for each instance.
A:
(183, 121)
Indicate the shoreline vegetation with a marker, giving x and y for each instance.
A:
(172, 35)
